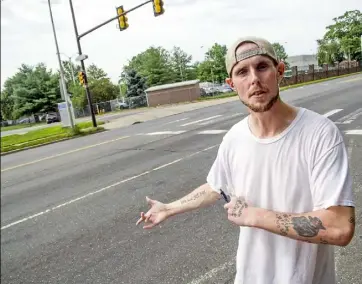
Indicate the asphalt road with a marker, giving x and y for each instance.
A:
(69, 209)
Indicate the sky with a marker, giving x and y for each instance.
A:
(193, 25)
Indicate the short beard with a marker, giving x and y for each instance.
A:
(263, 108)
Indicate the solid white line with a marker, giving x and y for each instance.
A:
(214, 131)
(212, 273)
(330, 113)
(165, 132)
(201, 120)
(350, 117)
(104, 188)
(354, 132)
(65, 153)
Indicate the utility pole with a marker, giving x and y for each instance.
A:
(64, 86)
(83, 66)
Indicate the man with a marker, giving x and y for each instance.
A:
(286, 170)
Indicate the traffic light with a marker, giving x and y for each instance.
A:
(122, 20)
(158, 8)
(81, 77)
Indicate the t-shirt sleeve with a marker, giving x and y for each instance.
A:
(331, 182)
(217, 177)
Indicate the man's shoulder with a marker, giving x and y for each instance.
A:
(236, 130)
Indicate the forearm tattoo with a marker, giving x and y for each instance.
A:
(304, 226)
(239, 206)
(352, 220)
(193, 197)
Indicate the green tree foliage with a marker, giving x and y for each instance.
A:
(281, 53)
(95, 73)
(32, 90)
(181, 63)
(136, 84)
(342, 39)
(213, 68)
(7, 106)
(154, 64)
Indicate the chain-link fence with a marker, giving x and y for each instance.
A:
(113, 105)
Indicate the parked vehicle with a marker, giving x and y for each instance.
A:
(52, 117)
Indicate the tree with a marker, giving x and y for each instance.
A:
(103, 90)
(342, 39)
(136, 84)
(95, 73)
(181, 63)
(33, 90)
(7, 106)
(213, 68)
(154, 64)
(282, 55)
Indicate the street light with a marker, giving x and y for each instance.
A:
(64, 86)
(70, 64)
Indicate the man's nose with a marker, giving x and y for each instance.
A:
(254, 77)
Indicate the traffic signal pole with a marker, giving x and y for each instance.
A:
(89, 98)
(78, 37)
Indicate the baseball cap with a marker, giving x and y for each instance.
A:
(264, 47)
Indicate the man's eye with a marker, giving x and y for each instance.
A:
(262, 67)
(242, 72)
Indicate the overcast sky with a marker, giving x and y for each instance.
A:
(194, 25)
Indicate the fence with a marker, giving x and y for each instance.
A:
(302, 74)
(113, 105)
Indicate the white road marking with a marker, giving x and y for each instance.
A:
(178, 120)
(214, 131)
(104, 188)
(354, 132)
(347, 119)
(65, 153)
(165, 132)
(209, 275)
(213, 120)
(330, 113)
(201, 120)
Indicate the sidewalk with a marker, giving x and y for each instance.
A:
(163, 111)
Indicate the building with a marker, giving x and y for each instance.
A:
(173, 93)
(302, 61)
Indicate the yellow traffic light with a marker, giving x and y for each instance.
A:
(158, 7)
(122, 20)
(81, 77)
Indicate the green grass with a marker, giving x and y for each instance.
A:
(19, 126)
(233, 94)
(46, 135)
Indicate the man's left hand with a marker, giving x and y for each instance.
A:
(240, 213)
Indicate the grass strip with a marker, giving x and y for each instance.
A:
(47, 135)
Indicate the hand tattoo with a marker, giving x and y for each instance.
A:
(283, 223)
(239, 206)
(352, 220)
(307, 227)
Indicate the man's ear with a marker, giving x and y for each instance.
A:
(280, 70)
(229, 82)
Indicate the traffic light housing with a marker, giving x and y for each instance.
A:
(158, 8)
(122, 20)
(81, 77)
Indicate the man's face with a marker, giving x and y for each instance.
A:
(256, 80)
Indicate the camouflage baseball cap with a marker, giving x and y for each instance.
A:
(264, 48)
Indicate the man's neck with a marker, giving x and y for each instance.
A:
(273, 122)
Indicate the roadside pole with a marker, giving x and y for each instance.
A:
(63, 84)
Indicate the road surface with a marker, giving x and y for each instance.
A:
(69, 209)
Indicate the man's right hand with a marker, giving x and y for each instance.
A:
(156, 214)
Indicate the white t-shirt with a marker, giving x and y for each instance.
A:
(303, 169)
